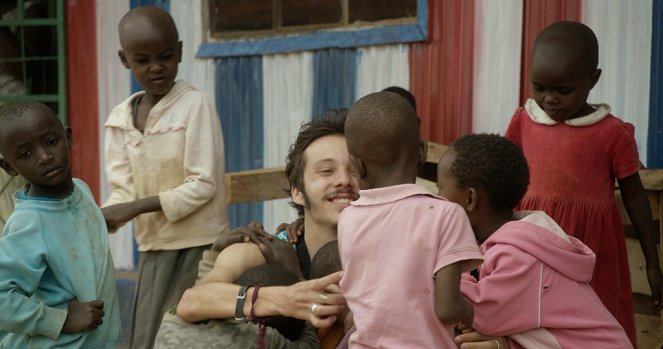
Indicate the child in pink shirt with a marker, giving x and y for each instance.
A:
(403, 249)
(533, 285)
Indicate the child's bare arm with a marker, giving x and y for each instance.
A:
(233, 261)
(639, 211)
(119, 214)
(81, 317)
(450, 306)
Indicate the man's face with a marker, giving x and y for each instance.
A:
(329, 186)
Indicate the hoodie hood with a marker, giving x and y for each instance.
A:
(534, 235)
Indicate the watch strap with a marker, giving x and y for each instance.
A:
(239, 307)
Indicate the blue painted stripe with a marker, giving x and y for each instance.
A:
(335, 79)
(390, 34)
(163, 4)
(655, 137)
(239, 101)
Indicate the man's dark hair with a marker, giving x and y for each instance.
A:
(272, 274)
(326, 261)
(331, 123)
(493, 163)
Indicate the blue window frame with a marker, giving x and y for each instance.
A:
(351, 37)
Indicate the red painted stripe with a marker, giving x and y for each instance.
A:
(82, 96)
(441, 71)
(538, 15)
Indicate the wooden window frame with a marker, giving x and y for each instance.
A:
(303, 38)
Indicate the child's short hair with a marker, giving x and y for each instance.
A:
(151, 14)
(326, 261)
(272, 274)
(493, 163)
(403, 93)
(381, 127)
(570, 38)
(14, 110)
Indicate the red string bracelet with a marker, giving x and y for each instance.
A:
(259, 321)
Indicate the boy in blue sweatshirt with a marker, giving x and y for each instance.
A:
(57, 282)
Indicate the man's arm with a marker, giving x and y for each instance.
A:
(215, 297)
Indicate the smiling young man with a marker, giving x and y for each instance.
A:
(321, 184)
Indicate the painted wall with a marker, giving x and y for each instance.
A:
(469, 76)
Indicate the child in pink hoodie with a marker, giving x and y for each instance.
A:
(533, 285)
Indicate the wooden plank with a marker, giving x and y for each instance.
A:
(652, 179)
(256, 185)
(435, 152)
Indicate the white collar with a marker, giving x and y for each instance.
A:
(540, 117)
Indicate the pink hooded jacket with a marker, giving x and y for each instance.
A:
(534, 288)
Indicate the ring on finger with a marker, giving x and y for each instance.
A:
(315, 306)
(497, 343)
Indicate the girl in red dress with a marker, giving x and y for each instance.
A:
(575, 152)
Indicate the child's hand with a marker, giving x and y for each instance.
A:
(475, 340)
(86, 316)
(654, 278)
(293, 230)
(117, 215)
(281, 252)
(249, 233)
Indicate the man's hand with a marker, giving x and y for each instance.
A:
(318, 301)
(249, 233)
(86, 316)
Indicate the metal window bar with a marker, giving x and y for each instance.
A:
(58, 22)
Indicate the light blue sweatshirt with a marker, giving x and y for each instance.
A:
(51, 252)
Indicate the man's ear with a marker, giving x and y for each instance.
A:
(123, 58)
(70, 137)
(179, 52)
(595, 77)
(472, 200)
(7, 167)
(297, 196)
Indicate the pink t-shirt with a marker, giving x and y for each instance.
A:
(392, 241)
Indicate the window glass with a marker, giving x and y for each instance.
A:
(377, 10)
(308, 12)
(227, 16)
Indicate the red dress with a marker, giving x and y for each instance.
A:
(572, 176)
